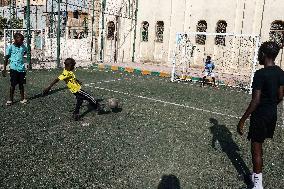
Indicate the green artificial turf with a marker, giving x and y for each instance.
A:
(159, 132)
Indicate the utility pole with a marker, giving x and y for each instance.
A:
(135, 29)
(92, 33)
(10, 13)
(102, 32)
(29, 34)
(36, 17)
(51, 20)
(58, 34)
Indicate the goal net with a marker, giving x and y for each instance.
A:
(234, 57)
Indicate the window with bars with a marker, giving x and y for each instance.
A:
(144, 31)
(277, 32)
(221, 28)
(110, 30)
(160, 32)
(201, 27)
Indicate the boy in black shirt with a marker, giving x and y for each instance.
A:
(268, 85)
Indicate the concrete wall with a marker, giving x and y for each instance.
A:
(242, 16)
(79, 49)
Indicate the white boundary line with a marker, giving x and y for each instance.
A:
(166, 102)
(100, 82)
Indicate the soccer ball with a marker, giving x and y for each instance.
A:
(113, 103)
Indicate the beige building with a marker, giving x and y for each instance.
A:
(158, 21)
(22, 3)
(4, 3)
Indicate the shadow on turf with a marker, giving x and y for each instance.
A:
(223, 136)
(39, 95)
(169, 182)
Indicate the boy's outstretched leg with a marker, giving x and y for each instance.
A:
(256, 151)
(203, 81)
(93, 102)
(214, 81)
(79, 103)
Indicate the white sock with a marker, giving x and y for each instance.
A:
(258, 180)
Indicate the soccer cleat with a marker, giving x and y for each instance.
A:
(9, 103)
(100, 108)
(23, 101)
(76, 117)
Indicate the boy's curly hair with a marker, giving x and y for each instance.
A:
(18, 35)
(270, 49)
(70, 61)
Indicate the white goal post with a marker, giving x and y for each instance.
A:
(234, 56)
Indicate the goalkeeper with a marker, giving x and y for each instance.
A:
(208, 71)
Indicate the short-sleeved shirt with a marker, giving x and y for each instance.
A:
(268, 80)
(70, 80)
(16, 55)
(209, 66)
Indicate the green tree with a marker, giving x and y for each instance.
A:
(3, 24)
(16, 23)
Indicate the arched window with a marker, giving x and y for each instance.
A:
(221, 28)
(277, 32)
(160, 32)
(144, 31)
(110, 30)
(201, 27)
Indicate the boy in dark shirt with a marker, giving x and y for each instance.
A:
(268, 88)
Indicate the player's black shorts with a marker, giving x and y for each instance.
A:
(262, 126)
(17, 78)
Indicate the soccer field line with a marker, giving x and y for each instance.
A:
(166, 102)
(104, 81)
(169, 103)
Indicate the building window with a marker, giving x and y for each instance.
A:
(277, 33)
(221, 28)
(110, 30)
(201, 27)
(144, 31)
(76, 14)
(160, 32)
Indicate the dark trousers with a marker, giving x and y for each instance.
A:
(81, 96)
(17, 78)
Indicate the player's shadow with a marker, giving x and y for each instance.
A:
(169, 182)
(39, 95)
(223, 136)
(116, 110)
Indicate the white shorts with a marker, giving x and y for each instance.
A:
(209, 74)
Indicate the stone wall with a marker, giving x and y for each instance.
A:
(79, 49)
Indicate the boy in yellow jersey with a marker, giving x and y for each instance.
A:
(74, 86)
